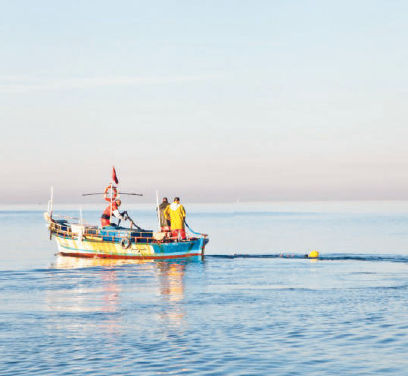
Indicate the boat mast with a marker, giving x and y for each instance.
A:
(111, 197)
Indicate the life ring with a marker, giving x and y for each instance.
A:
(125, 243)
(110, 193)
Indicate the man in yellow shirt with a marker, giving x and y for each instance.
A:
(177, 214)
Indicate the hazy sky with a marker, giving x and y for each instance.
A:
(209, 100)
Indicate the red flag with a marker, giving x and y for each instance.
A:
(114, 177)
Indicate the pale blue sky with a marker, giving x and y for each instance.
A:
(208, 100)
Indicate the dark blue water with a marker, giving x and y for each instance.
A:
(254, 306)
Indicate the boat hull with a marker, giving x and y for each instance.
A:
(113, 250)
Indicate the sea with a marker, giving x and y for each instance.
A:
(255, 304)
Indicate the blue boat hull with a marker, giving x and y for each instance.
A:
(115, 250)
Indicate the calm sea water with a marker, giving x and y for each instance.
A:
(253, 306)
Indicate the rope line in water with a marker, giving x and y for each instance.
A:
(332, 257)
(195, 233)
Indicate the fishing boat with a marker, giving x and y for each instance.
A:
(77, 238)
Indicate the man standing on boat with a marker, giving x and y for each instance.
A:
(112, 210)
(176, 214)
(164, 222)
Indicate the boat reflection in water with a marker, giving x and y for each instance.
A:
(153, 289)
(66, 262)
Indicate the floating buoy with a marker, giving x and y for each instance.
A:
(313, 254)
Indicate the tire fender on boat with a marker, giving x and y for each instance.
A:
(125, 243)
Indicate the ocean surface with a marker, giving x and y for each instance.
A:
(253, 306)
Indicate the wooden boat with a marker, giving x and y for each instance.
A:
(83, 240)
(77, 238)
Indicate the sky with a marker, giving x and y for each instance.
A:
(212, 101)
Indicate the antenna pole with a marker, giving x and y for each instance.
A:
(158, 208)
(51, 202)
